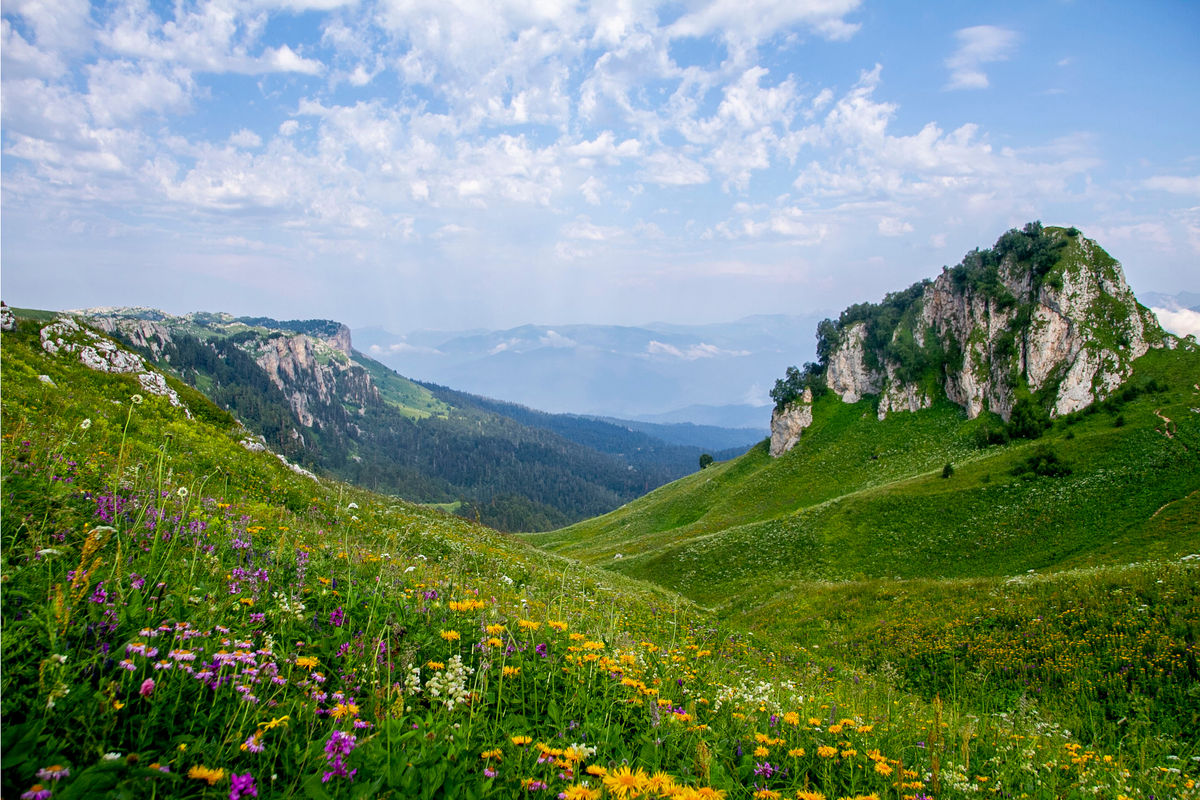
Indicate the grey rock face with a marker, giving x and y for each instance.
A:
(1076, 335)
(787, 425)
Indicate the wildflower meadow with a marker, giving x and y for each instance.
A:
(183, 617)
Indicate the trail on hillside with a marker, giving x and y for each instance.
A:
(1168, 425)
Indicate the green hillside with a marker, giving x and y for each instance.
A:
(861, 543)
(861, 497)
(185, 617)
(299, 385)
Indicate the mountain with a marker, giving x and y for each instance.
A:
(1180, 301)
(609, 371)
(948, 546)
(1041, 325)
(918, 487)
(185, 615)
(313, 398)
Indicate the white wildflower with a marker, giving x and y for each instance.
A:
(87, 423)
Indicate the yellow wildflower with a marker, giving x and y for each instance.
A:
(203, 773)
(622, 782)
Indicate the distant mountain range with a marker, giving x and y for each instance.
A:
(715, 374)
(312, 397)
(1172, 302)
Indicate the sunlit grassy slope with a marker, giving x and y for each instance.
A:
(859, 497)
(183, 617)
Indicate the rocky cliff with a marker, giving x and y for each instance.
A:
(310, 361)
(1044, 317)
(788, 423)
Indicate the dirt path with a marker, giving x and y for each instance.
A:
(1168, 425)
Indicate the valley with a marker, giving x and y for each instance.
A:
(959, 568)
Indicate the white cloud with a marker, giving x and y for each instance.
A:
(672, 169)
(978, 45)
(451, 230)
(1138, 232)
(402, 347)
(62, 26)
(120, 90)
(754, 20)
(604, 148)
(22, 59)
(891, 226)
(1175, 184)
(557, 340)
(789, 222)
(583, 229)
(691, 352)
(1184, 322)
(285, 59)
(592, 189)
(245, 138)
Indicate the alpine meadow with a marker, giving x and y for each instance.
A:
(966, 563)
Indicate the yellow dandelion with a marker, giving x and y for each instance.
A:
(450, 636)
(520, 741)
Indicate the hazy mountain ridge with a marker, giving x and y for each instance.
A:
(321, 403)
(628, 372)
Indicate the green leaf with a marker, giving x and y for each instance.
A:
(17, 743)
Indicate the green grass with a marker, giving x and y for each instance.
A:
(859, 497)
(316, 611)
(410, 399)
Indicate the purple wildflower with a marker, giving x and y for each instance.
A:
(242, 786)
(53, 773)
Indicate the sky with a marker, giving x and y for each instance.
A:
(454, 164)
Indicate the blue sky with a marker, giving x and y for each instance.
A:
(455, 164)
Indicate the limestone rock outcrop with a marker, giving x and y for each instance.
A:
(788, 424)
(66, 336)
(1069, 332)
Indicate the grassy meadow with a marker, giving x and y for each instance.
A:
(183, 617)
